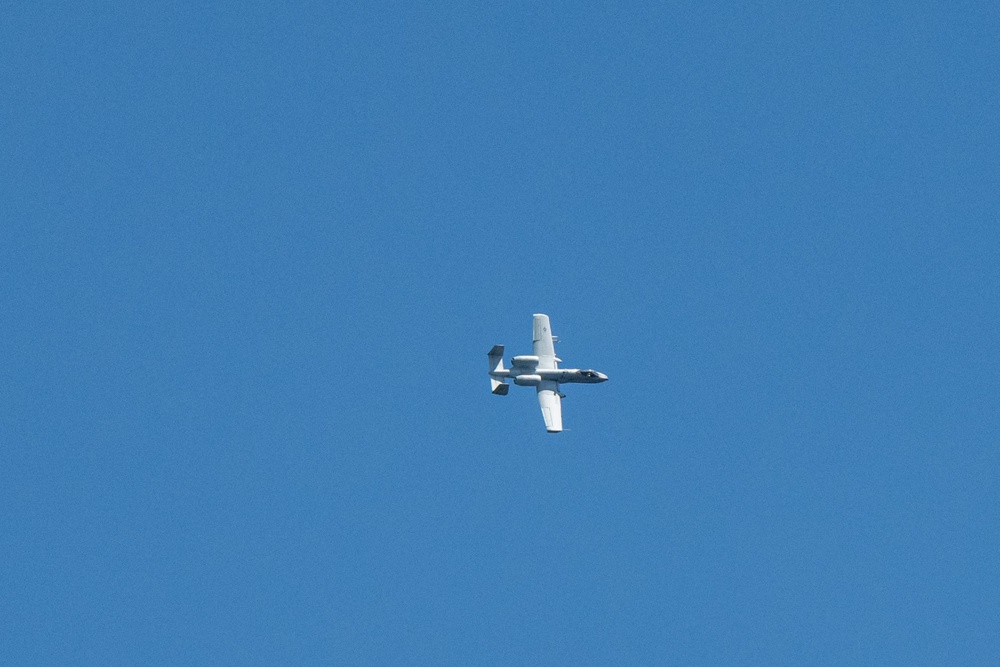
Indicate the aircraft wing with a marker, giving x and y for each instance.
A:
(541, 338)
(551, 404)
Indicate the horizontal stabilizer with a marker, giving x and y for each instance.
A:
(498, 387)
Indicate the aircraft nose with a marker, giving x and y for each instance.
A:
(604, 378)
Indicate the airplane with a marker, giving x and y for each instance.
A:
(540, 370)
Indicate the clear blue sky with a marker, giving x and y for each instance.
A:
(252, 257)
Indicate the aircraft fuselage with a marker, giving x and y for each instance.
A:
(530, 376)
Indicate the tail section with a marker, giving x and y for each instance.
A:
(499, 387)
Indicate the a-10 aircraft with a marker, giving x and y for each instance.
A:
(540, 370)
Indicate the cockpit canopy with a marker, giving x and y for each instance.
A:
(589, 374)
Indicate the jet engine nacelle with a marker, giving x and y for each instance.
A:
(528, 380)
(524, 361)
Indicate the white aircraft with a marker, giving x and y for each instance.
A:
(540, 370)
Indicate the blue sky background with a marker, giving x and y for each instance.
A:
(252, 257)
